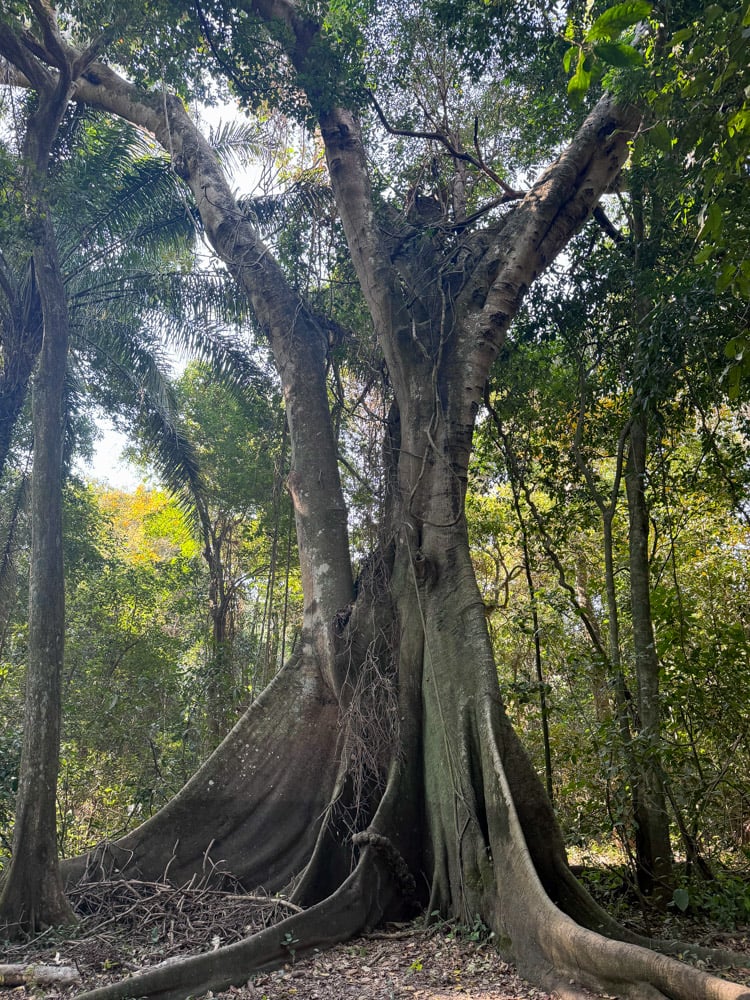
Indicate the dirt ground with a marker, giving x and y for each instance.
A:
(126, 927)
(408, 964)
(403, 963)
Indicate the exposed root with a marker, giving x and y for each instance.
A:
(358, 903)
(585, 910)
(399, 869)
(545, 937)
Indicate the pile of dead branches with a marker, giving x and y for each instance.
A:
(172, 919)
(127, 924)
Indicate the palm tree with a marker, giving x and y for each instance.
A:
(119, 283)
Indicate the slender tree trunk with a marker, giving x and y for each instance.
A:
(621, 694)
(33, 895)
(219, 665)
(600, 687)
(537, 633)
(654, 852)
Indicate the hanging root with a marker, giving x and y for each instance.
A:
(367, 662)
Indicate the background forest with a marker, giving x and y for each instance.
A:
(627, 367)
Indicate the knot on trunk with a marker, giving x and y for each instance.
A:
(425, 569)
(394, 862)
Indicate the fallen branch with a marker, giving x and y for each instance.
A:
(38, 975)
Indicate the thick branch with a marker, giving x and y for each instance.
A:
(347, 166)
(19, 56)
(541, 225)
(297, 340)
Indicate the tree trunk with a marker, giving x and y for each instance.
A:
(599, 681)
(32, 896)
(462, 810)
(654, 852)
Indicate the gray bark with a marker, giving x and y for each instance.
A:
(33, 896)
(654, 850)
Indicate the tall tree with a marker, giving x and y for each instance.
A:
(69, 302)
(445, 796)
(33, 895)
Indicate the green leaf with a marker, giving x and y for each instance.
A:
(735, 348)
(681, 899)
(618, 54)
(683, 35)
(617, 18)
(580, 82)
(568, 58)
(739, 122)
(726, 276)
(713, 222)
(660, 137)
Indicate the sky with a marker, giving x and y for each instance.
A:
(107, 464)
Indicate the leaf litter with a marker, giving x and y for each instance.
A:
(128, 925)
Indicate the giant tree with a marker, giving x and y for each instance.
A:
(444, 808)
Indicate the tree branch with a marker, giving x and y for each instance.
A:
(509, 193)
(19, 56)
(607, 226)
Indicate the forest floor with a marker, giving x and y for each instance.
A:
(127, 927)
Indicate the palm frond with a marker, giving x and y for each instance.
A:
(308, 195)
(238, 143)
(115, 188)
(174, 457)
(140, 395)
(136, 364)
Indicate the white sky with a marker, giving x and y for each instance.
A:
(107, 465)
